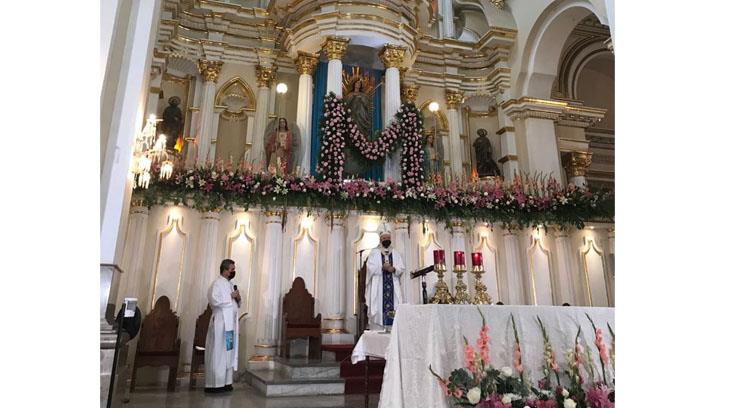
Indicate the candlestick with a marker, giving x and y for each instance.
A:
(442, 294)
(481, 297)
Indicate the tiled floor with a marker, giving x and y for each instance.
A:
(242, 397)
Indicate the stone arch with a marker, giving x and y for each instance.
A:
(235, 97)
(574, 60)
(543, 47)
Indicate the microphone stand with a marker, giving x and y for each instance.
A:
(425, 293)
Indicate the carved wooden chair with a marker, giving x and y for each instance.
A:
(201, 333)
(158, 343)
(299, 320)
(362, 318)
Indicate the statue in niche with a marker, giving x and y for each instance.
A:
(485, 164)
(433, 163)
(282, 147)
(172, 122)
(357, 91)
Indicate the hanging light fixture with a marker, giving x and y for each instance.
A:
(148, 151)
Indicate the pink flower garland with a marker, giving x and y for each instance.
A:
(406, 128)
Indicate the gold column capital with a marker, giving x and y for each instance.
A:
(306, 63)
(392, 56)
(265, 75)
(409, 92)
(335, 47)
(576, 163)
(453, 98)
(209, 69)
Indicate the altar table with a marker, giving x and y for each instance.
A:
(433, 335)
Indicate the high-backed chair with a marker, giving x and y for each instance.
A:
(299, 320)
(158, 343)
(201, 333)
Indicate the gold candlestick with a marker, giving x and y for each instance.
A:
(442, 294)
(481, 297)
(461, 297)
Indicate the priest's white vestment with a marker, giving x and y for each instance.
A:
(373, 289)
(221, 344)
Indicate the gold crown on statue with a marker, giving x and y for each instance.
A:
(349, 79)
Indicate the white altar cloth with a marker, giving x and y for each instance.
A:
(372, 343)
(432, 335)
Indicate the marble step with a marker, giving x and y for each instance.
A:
(305, 369)
(277, 383)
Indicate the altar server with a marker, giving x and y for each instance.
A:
(383, 292)
(221, 344)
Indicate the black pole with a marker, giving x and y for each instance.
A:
(116, 356)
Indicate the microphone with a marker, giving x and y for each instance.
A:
(422, 272)
(235, 287)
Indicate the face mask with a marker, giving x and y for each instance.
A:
(386, 243)
(231, 276)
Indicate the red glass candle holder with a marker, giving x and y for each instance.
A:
(476, 259)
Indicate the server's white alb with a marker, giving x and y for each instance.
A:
(220, 362)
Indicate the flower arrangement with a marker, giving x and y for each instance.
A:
(481, 386)
(405, 129)
(223, 185)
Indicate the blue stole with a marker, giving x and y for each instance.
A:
(388, 294)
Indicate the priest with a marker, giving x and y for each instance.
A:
(221, 344)
(383, 293)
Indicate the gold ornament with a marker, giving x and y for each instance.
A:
(481, 297)
(209, 69)
(409, 93)
(442, 294)
(306, 63)
(453, 99)
(461, 297)
(392, 55)
(335, 47)
(348, 81)
(499, 4)
(577, 163)
(265, 75)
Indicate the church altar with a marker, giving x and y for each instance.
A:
(433, 335)
(175, 251)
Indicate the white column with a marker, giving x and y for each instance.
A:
(124, 87)
(611, 262)
(132, 283)
(453, 101)
(509, 159)
(567, 278)
(512, 262)
(214, 135)
(264, 78)
(392, 57)
(250, 129)
(305, 64)
(269, 316)
(541, 147)
(449, 29)
(209, 71)
(335, 48)
(207, 258)
(576, 164)
(334, 325)
(109, 12)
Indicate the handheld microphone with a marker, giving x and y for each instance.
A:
(235, 287)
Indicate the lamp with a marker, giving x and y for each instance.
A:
(433, 106)
(149, 150)
(282, 88)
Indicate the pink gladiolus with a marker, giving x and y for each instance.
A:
(517, 358)
(470, 358)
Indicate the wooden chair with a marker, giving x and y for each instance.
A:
(201, 333)
(362, 318)
(299, 320)
(158, 343)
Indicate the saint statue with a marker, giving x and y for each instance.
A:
(357, 89)
(281, 147)
(172, 122)
(485, 164)
(433, 164)
(359, 103)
